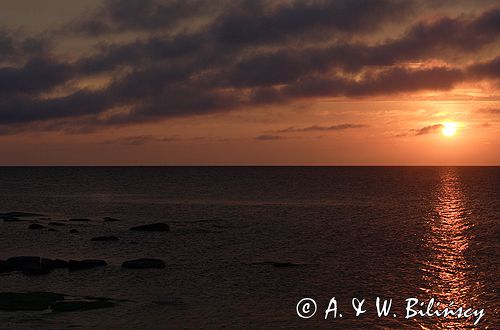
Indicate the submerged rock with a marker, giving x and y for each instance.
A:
(85, 264)
(144, 263)
(36, 226)
(152, 227)
(104, 238)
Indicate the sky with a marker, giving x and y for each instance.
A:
(193, 82)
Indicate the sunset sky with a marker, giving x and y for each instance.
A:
(155, 82)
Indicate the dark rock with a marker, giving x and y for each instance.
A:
(12, 219)
(79, 220)
(152, 227)
(22, 262)
(41, 301)
(5, 267)
(35, 301)
(144, 263)
(53, 264)
(84, 305)
(109, 219)
(36, 226)
(278, 264)
(85, 264)
(104, 238)
(73, 231)
(20, 215)
(55, 223)
(52, 229)
(35, 270)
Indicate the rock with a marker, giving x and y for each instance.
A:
(152, 227)
(35, 270)
(278, 264)
(22, 262)
(144, 263)
(85, 264)
(20, 215)
(79, 220)
(52, 229)
(35, 301)
(104, 238)
(84, 305)
(42, 301)
(12, 219)
(36, 226)
(73, 231)
(53, 264)
(109, 219)
(55, 223)
(5, 267)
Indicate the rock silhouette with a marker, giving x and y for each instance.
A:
(161, 226)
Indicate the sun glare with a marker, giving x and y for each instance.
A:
(449, 129)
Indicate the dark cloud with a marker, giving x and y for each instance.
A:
(431, 129)
(141, 140)
(486, 70)
(125, 15)
(251, 22)
(315, 128)
(202, 57)
(35, 76)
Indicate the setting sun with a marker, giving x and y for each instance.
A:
(449, 129)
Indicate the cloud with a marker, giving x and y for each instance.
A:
(141, 140)
(431, 129)
(315, 128)
(193, 57)
(270, 137)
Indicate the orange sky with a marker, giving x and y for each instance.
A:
(238, 83)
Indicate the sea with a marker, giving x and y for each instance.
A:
(259, 247)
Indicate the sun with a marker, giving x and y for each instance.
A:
(449, 129)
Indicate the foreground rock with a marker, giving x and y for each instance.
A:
(152, 227)
(104, 238)
(42, 301)
(85, 264)
(144, 263)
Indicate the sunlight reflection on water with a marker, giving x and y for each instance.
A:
(447, 273)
